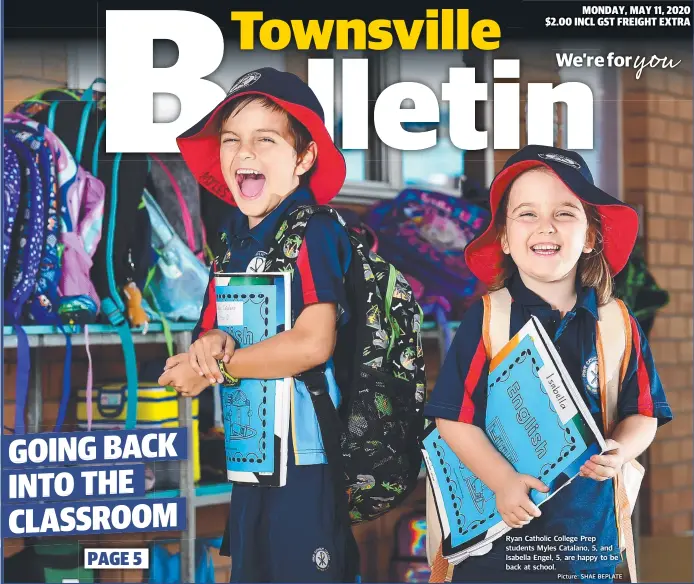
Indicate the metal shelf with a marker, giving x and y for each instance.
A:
(99, 334)
(205, 495)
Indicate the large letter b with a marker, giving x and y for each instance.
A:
(132, 81)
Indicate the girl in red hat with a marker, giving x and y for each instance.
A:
(554, 243)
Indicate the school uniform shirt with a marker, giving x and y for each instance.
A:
(585, 506)
(319, 277)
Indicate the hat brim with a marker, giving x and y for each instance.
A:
(199, 147)
(620, 223)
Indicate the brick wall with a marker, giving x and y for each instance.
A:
(657, 135)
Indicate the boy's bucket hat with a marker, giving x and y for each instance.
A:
(199, 145)
(620, 223)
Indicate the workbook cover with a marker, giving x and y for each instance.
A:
(253, 308)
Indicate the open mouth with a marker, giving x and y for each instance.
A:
(545, 249)
(251, 182)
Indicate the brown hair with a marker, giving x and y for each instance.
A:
(301, 137)
(593, 269)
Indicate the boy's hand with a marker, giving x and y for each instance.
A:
(207, 350)
(179, 374)
(513, 503)
(601, 467)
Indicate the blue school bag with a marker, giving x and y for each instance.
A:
(165, 567)
(178, 280)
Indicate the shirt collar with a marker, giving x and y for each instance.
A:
(268, 226)
(586, 297)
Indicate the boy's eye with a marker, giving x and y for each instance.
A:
(229, 140)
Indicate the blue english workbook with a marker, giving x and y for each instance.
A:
(536, 418)
(252, 308)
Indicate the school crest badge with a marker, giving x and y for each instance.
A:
(560, 158)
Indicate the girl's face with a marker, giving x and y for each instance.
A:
(546, 228)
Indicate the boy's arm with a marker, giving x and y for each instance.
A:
(320, 267)
(208, 314)
(309, 343)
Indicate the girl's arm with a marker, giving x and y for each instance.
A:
(471, 445)
(629, 439)
(634, 434)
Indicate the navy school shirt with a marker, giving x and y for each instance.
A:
(585, 506)
(319, 277)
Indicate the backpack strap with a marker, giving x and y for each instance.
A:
(611, 347)
(496, 321)
(614, 343)
(282, 257)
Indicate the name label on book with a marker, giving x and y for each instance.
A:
(557, 393)
(230, 313)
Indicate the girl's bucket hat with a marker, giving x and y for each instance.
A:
(620, 223)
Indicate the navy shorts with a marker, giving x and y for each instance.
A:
(287, 534)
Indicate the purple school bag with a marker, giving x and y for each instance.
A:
(81, 199)
(424, 233)
(12, 191)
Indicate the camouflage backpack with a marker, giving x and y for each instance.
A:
(373, 440)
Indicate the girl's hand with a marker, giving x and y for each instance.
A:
(179, 374)
(513, 503)
(601, 467)
(213, 346)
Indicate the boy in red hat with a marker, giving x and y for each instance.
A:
(554, 243)
(265, 150)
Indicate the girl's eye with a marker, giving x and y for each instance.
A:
(527, 214)
(267, 140)
(565, 214)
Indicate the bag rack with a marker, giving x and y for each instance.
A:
(104, 335)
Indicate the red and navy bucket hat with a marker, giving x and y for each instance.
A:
(199, 145)
(619, 222)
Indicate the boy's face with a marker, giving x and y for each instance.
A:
(546, 227)
(258, 160)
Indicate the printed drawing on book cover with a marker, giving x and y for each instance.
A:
(240, 414)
